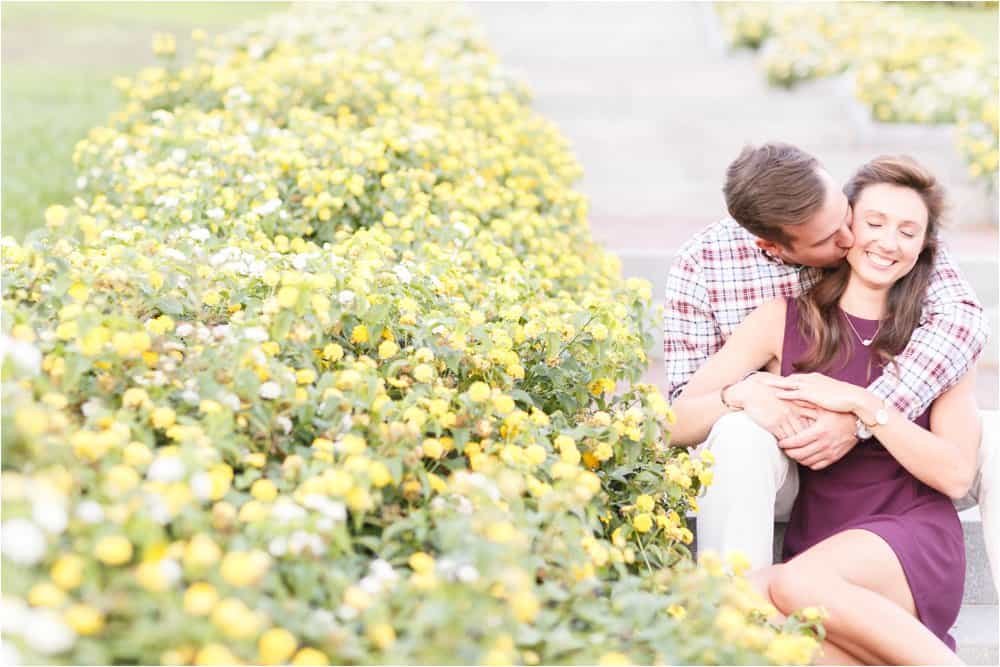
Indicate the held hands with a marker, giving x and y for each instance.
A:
(832, 434)
(762, 403)
(801, 411)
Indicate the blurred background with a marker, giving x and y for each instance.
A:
(657, 98)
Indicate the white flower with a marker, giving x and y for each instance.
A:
(47, 633)
(403, 274)
(27, 358)
(166, 469)
(285, 423)
(51, 516)
(299, 262)
(221, 331)
(200, 234)
(215, 213)
(23, 542)
(9, 654)
(256, 334)
(171, 570)
(345, 297)
(467, 574)
(270, 390)
(286, 510)
(268, 207)
(277, 547)
(184, 329)
(175, 255)
(370, 585)
(90, 511)
(14, 614)
(201, 486)
(231, 401)
(178, 155)
(347, 613)
(81, 182)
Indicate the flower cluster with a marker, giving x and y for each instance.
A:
(905, 70)
(320, 366)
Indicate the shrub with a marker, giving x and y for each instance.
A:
(320, 366)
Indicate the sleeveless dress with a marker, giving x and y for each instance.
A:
(870, 490)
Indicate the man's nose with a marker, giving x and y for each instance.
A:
(846, 237)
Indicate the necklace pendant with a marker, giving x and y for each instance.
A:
(866, 341)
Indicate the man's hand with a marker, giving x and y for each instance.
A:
(781, 418)
(824, 442)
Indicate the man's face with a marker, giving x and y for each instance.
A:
(824, 240)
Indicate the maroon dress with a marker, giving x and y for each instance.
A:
(869, 489)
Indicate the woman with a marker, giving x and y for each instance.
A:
(874, 537)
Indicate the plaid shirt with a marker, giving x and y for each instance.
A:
(720, 276)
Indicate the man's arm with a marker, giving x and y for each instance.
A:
(690, 331)
(946, 345)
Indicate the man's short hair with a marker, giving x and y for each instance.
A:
(771, 187)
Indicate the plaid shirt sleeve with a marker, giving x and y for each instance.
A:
(690, 331)
(949, 340)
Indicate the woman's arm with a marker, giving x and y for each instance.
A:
(944, 457)
(754, 343)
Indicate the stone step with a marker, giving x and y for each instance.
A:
(975, 633)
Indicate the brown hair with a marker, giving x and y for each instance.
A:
(821, 320)
(772, 186)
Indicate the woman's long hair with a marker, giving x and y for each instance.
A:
(821, 320)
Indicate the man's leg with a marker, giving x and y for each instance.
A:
(983, 492)
(752, 479)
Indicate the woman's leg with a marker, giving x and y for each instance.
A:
(856, 576)
(829, 653)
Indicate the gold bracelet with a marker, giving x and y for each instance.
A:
(722, 396)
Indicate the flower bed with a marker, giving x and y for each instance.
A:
(907, 71)
(318, 368)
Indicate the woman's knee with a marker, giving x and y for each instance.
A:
(792, 587)
(736, 435)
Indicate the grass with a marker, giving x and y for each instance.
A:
(979, 21)
(58, 62)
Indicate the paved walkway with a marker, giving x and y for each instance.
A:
(656, 108)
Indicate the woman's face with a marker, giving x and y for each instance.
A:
(890, 224)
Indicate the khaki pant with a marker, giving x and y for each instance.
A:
(756, 483)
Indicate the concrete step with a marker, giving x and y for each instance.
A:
(975, 632)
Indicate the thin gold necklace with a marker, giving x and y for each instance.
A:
(864, 341)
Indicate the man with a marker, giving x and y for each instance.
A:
(787, 213)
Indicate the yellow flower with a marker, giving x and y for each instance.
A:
(791, 650)
(45, 594)
(738, 562)
(525, 606)
(276, 646)
(359, 334)
(421, 562)
(305, 376)
(163, 418)
(503, 404)
(310, 656)
(67, 571)
(423, 373)
(211, 298)
(382, 635)
(55, 216)
(150, 576)
(642, 522)
(379, 474)
(215, 654)
(479, 392)
(644, 503)
(201, 552)
(288, 296)
(235, 619)
(677, 611)
(264, 490)
(333, 352)
(114, 550)
(85, 619)
(200, 599)
(613, 659)
(432, 448)
(387, 350)
(244, 568)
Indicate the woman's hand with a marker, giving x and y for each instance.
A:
(819, 389)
